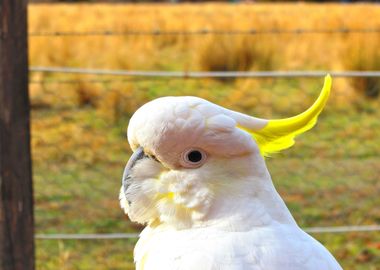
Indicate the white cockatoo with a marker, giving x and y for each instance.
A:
(198, 180)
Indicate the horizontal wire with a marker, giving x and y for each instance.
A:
(203, 32)
(106, 81)
(63, 236)
(206, 74)
(343, 229)
(101, 81)
(333, 229)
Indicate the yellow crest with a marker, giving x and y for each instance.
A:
(279, 134)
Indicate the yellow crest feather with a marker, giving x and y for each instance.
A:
(279, 134)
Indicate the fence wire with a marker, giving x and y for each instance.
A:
(313, 230)
(201, 32)
(211, 74)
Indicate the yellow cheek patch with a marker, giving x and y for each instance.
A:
(168, 195)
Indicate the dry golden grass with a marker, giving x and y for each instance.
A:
(205, 52)
(296, 51)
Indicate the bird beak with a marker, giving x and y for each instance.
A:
(137, 155)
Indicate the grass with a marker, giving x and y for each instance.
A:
(330, 177)
(205, 52)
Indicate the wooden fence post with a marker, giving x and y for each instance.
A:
(16, 199)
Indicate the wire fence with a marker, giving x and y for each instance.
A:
(337, 229)
(330, 181)
(212, 74)
(198, 75)
(201, 32)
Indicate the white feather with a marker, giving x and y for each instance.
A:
(224, 214)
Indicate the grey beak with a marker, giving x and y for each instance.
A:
(137, 155)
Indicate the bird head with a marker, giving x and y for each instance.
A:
(190, 155)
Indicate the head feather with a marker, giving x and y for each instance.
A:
(279, 134)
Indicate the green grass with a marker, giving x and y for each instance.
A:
(85, 254)
(330, 177)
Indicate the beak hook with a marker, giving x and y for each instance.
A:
(137, 155)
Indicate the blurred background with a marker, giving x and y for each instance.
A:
(79, 121)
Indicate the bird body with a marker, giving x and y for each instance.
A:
(275, 246)
(198, 180)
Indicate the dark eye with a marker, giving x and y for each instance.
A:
(193, 158)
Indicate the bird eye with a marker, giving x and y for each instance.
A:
(193, 158)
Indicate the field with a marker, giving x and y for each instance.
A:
(329, 178)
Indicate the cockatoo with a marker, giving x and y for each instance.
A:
(198, 180)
